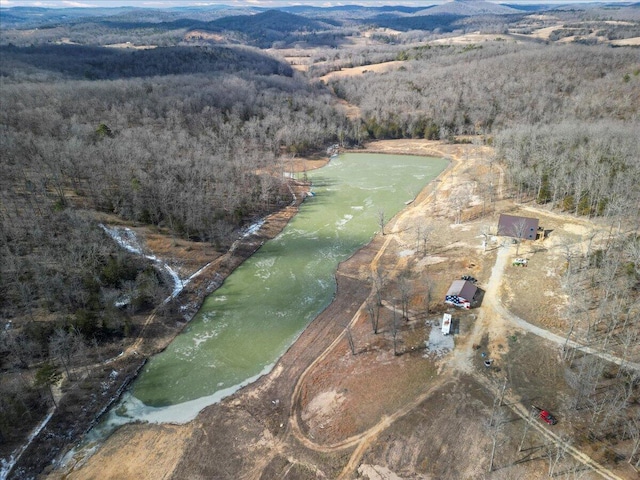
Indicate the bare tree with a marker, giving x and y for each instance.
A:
(632, 249)
(569, 254)
(496, 425)
(352, 345)
(422, 238)
(585, 380)
(533, 413)
(633, 430)
(47, 376)
(405, 288)
(61, 347)
(486, 236)
(394, 329)
(519, 232)
(459, 201)
(629, 338)
(373, 309)
(591, 236)
(379, 280)
(554, 453)
(381, 220)
(427, 295)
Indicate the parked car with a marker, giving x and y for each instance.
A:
(468, 278)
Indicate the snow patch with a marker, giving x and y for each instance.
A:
(253, 229)
(178, 284)
(127, 239)
(130, 409)
(110, 360)
(196, 274)
(7, 464)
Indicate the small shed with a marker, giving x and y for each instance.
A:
(461, 293)
(518, 227)
(446, 324)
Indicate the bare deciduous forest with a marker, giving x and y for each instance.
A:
(192, 139)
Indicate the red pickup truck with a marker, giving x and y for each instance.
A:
(545, 415)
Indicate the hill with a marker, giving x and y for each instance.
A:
(468, 8)
(98, 63)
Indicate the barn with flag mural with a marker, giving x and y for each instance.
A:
(461, 294)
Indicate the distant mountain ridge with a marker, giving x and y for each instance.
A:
(274, 20)
(466, 8)
(253, 25)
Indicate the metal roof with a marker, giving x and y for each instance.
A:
(518, 227)
(462, 288)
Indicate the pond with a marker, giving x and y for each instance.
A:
(249, 322)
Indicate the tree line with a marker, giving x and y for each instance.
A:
(583, 168)
(564, 123)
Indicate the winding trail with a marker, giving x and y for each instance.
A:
(493, 302)
(364, 439)
(552, 337)
(294, 425)
(581, 457)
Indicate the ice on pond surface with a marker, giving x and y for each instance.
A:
(259, 311)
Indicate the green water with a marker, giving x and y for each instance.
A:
(259, 311)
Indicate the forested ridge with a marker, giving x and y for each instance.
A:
(465, 89)
(194, 142)
(198, 155)
(99, 63)
(565, 118)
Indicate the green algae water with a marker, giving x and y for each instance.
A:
(259, 311)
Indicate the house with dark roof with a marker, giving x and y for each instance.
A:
(461, 293)
(518, 227)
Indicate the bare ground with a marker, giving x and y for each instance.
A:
(325, 412)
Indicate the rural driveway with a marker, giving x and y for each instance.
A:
(492, 300)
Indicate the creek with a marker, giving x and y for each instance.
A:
(249, 322)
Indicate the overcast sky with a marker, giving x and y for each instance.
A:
(261, 3)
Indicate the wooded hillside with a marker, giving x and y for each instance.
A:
(198, 156)
(194, 142)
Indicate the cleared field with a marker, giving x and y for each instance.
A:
(349, 72)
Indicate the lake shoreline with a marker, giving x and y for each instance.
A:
(193, 296)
